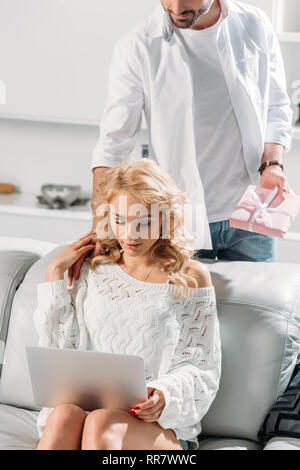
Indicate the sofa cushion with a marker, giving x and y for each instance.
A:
(13, 267)
(283, 443)
(216, 443)
(18, 429)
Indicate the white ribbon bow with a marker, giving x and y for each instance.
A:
(262, 213)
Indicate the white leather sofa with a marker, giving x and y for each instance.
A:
(259, 313)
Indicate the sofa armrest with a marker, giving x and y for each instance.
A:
(13, 268)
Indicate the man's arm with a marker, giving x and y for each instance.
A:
(74, 270)
(122, 115)
(273, 175)
(273, 152)
(280, 114)
(278, 135)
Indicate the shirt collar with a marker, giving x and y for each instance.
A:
(160, 24)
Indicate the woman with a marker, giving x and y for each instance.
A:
(151, 300)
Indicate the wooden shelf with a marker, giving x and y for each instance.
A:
(27, 204)
(289, 37)
(49, 120)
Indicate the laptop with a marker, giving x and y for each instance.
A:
(89, 379)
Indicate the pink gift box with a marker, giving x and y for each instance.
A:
(264, 211)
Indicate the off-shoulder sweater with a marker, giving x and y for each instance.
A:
(111, 311)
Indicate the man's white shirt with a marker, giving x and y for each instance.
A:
(151, 72)
(219, 148)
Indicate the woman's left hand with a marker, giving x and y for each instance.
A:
(150, 410)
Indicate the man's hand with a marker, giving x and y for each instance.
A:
(74, 270)
(151, 409)
(273, 176)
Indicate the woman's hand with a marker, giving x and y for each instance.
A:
(68, 256)
(150, 410)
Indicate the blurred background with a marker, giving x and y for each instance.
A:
(54, 63)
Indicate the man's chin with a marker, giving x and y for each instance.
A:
(182, 24)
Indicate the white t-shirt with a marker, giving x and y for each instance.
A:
(219, 149)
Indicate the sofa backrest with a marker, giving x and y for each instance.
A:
(15, 385)
(259, 313)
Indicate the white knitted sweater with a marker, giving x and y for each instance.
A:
(111, 311)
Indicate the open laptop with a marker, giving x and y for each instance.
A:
(89, 379)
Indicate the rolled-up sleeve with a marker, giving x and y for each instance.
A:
(122, 116)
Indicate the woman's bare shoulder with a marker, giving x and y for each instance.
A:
(200, 271)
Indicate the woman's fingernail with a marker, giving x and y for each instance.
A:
(136, 408)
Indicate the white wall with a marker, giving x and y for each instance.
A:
(55, 55)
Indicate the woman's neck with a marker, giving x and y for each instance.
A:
(136, 263)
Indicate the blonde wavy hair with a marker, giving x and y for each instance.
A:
(150, 184)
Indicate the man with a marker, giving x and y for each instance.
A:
(210, 78)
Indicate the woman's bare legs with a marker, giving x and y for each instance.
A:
(63, 429)
(115, 429)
